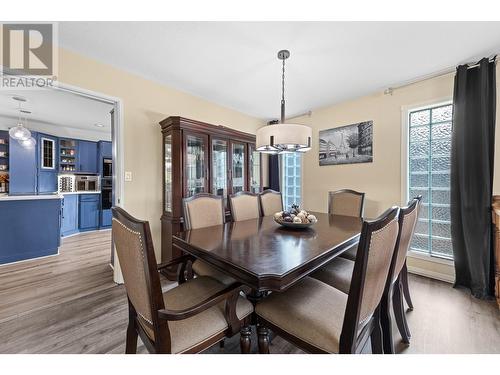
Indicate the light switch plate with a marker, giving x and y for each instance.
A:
(128, 176)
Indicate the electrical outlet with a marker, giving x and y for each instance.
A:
(128, 176)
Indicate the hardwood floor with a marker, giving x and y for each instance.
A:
(81, 268)
(69, 304)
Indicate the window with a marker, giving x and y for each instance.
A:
(292, 179)
(429, 156)
(48, 153)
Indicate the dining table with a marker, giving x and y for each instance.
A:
(266, 256)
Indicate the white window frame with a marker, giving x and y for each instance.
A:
(405, 125)
(42, 139)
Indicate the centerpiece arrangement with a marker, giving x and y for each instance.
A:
(295, 218)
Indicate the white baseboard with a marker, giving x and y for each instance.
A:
(432, 274)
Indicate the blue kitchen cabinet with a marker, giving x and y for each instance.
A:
(69, 215)
(87, 157)
(105, 149)
(22, 168)
(88, 212)
(68, 155)
(29, 228)
(48, 152)
(106, 217)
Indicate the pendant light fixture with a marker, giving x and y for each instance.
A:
(19, 132)
(283, 138)
(30, 142)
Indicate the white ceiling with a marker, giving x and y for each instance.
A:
(234, 63)
(59, 108)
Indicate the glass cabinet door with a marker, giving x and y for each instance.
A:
(168, 173)
(219, 167)
(238, 167)
(195, 167)
(48, 157)
(254, 169)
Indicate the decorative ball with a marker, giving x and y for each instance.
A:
(277, 215)
(297, 220)
(288, 219)
(312, 218)
(285, 214)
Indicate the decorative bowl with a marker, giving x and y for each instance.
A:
(294, 225)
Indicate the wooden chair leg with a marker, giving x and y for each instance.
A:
(406, 288)
(131, 344)
(386, 322)
(245, 339)
(263, 339)
(376, 336)
(399, 313)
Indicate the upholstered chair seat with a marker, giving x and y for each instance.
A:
(337, 273)
(310, 310)
(188, 333)
(202, 268)
(350, 253)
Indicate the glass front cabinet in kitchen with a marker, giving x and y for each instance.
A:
(203, 158)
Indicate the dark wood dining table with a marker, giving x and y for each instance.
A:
(265, 256)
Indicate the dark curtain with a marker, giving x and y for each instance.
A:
(473, 141)
(274, 172)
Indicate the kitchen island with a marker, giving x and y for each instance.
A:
(29, 226)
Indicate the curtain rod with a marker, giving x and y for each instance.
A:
(440, 73)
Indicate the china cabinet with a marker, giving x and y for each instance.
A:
(202, 158)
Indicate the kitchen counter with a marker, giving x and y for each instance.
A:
(7, 197)
(80, 192)
(29, 226)
(21, 197)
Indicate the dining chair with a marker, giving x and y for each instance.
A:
(408, 218)
(322, 319)
(244, 206)
(349, 203)
(186, 319)
(271, 202)
(340, 271)
(204, 210)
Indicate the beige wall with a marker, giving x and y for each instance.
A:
(381, 180)
(145, 103)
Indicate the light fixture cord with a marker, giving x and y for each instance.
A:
(283, 93)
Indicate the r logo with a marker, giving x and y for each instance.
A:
(28, 49)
